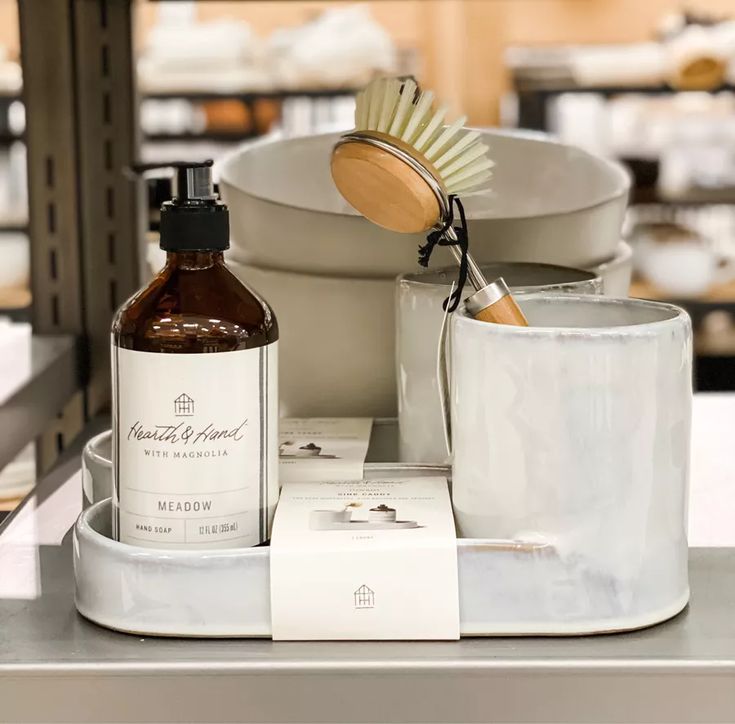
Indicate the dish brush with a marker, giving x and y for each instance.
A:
(403, 169)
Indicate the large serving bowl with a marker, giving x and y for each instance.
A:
(337, 342)
(547, 203)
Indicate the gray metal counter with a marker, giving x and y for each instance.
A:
(55, 666)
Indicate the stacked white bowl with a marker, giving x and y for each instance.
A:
(329, 274)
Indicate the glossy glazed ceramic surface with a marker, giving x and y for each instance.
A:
(337, 348)
(419, 313)
(505, 587)
(547, 202)
(576, 430)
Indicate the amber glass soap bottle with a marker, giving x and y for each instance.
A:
(195, 394)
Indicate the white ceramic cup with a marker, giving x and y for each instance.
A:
(419, 313)
(575, 431)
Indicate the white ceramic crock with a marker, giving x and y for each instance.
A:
(419, 315)
(575, 432)
(547, 203)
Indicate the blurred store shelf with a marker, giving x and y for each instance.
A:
(250, 96)
(214, 137)
(15, 304)
(46, 376)
(720, 297)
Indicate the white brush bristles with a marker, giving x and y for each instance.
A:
(393, 106)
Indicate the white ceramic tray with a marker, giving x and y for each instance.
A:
(505, 587)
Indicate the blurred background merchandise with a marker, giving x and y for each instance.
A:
(651, 84)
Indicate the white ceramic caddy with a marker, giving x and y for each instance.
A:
(506, 587)
(547, 203)
(574, 432)
(419, 315)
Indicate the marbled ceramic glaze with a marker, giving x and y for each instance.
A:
(505, 588)
(419, 315)
(575, 432)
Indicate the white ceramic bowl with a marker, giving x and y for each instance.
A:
(548, 203)
(418, 324)
(336, 348)
(616, 272)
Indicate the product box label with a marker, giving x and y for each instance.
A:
(195, 447)
(323, 448)
(367, 559)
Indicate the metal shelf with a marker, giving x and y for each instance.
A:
(526, 86)
(56, 666)
(53, 379)
(534, 94)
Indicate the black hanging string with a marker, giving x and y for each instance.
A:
(439, 238)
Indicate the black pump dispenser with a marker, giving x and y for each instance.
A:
(195, 219)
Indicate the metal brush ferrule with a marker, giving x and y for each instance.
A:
(487, 296)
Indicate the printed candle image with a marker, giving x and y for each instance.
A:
(382, 513)
(380, 517)
(290, 449)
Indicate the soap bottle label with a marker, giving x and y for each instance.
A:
(195, 448)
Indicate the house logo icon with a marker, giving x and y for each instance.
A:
(364, 597)
(183, 405)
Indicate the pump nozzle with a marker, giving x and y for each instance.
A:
(195, 218)
(193, 178)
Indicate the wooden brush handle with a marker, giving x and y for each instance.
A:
(505, 311)
(494, 303)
